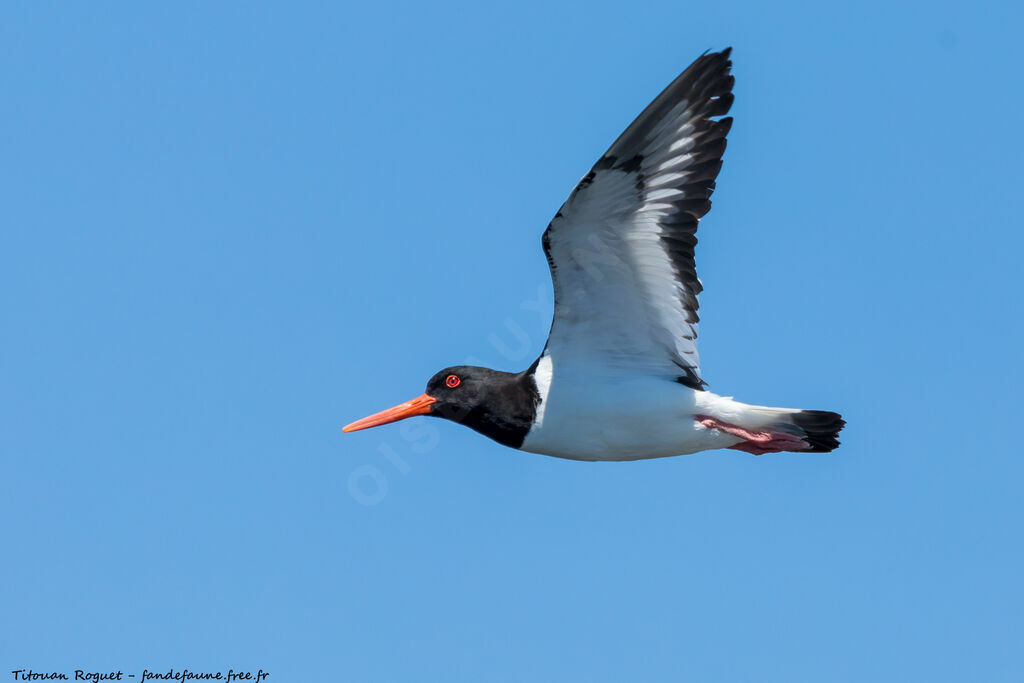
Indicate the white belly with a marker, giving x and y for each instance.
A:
(619, 417)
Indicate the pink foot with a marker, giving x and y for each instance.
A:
(756, 442)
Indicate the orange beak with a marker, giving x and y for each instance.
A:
(421, 405)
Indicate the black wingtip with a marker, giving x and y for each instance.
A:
(724, 52)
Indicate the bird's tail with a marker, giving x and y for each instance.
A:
(820, 429)
(817, 429)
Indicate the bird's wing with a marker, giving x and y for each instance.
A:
(621, 247)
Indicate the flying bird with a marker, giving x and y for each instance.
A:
(619, 377)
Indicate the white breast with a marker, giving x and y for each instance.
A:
(588, 413)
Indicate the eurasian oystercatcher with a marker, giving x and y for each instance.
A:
(619, 378)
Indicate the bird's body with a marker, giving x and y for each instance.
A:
(619, 378)
(585, 415)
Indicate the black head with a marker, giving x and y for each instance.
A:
(501, 405)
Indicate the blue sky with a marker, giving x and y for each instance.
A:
(231, 229)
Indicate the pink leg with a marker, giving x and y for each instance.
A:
(756, 442)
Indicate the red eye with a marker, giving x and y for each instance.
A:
(452, 381)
